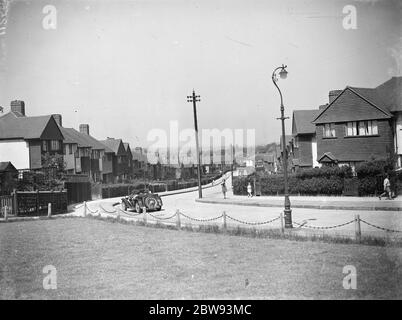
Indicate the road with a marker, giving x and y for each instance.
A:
(186, 204)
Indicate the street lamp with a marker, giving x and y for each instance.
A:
(287, 212)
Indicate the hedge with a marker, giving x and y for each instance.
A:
(122, 189)
(325, 180)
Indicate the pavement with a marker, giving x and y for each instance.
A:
(329, 203)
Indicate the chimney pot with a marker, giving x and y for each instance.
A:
(18, 107)
(333, 94)
(58, 118)
(84, 128)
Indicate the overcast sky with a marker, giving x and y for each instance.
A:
(126, 67)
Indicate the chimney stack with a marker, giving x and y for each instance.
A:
(84, 128)
(333, 94)
(323, 106)
(57, 117)
(18, 107)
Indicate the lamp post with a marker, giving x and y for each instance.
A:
(287, 212)
(194, 99)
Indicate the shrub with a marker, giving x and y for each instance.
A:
(367, 186)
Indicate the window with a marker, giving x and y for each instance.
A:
(361, 128)
(54, 145)
(329, 130)
(44, 145)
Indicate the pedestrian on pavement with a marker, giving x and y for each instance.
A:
(387, 188)
(224, 189)
(249, 191)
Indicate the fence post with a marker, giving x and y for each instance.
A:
(178, 222)
(37, 202)
(144, 211)
(15, 202)
(5, 213)
(85, 208)
(282, 227)
(49, 210)
(358, 233)
(224, 221)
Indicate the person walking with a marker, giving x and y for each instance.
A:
(224, 189)
(249, 190)
(387, 188)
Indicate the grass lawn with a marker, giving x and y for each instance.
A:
(102, 260)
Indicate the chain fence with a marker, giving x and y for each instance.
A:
(253, 223)
(225, 216)
(381, 228)
(304, 225)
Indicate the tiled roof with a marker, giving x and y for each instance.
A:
(302, 121)
(13, 126)
(390, 92)
(7, 166)
(328, 155)
(82, 140)
(352, 105)
(386, 98)
(113, 144)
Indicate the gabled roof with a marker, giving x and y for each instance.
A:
(82, 140)
(351, 105)
(302, 121)
(7, 166)
(14, 126)
(327, 157)
(390, 93)
(116, 145)
(386, 98)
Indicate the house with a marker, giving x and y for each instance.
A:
(119, 158)
(83, 154)
(129, 154)
(24, 139)
(360, 124)
(139, 162)
(8, 177)
(265, 162)
(304, 152)
(288, 148)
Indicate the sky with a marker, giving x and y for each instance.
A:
(127, 67)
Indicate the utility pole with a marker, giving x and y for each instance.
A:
(233, 161)
(194, 99)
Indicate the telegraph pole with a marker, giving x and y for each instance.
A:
(194, 99)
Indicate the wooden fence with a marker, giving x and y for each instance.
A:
(34, 203)
(6, 201)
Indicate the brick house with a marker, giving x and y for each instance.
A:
(359, 124)
(24, 140)
(288, 148)
(120, 158)
(129, 154)
(304, 143)
(83, 154)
